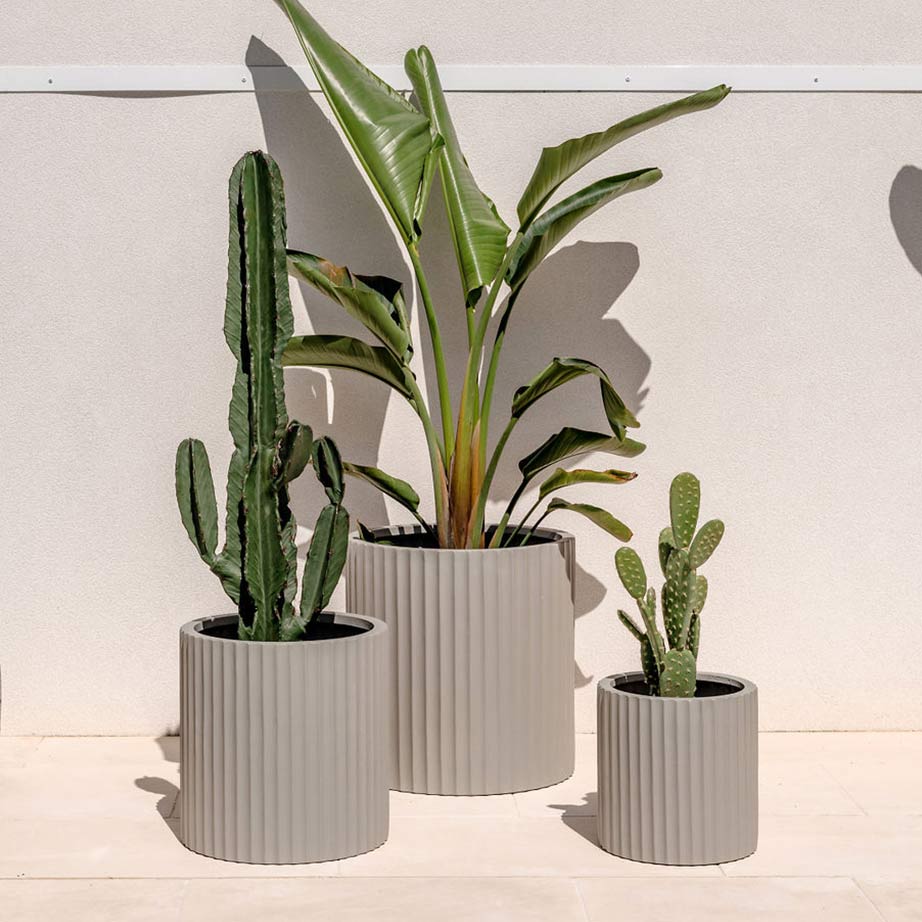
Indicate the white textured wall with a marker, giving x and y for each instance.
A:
(762, 306)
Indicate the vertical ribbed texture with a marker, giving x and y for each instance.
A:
(678, 777)
(283, 746)
(481, 649)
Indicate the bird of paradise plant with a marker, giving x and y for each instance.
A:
(402, 146)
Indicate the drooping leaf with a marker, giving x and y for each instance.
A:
(195, 496)
(390, 138)
(570, 442)
(323, 351)
(605, 520)
(374, 300)
(329, 468)
(560, 371)
(425, 187)
(294, 452)
(552, 226)
(557, 164)
(478, 232)
(390, 486)
(563, 478)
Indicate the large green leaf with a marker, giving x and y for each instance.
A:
(389, 485)
(552, 226)
(322, 351)
(557, 164)
(562, 370)
(562, 478)
(374, 300)
(605, 520)
(478, 232)
(390, 138)
(570, 442)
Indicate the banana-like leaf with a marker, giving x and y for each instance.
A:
(390, 486)
(605, 520)
(425, 186)
(294, 452)
(329, 468)
(374, 300)
(552, 226)
(390, 138)
(322, 351)
(563, 478)
(478, 232)
(570, 442)
(562, 370)
(557, 164)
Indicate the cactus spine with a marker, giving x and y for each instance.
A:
(672, 672)
(258, 564)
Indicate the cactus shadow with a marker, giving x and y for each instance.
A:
(906, 213)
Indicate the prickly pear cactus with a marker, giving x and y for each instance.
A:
(258, 564)
(672, 672)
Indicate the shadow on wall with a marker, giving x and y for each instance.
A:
(906, 213)
(564, 310)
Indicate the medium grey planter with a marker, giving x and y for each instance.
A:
(481, 660)
(678, 777)
(283, 746)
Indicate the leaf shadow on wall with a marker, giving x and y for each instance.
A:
(906, 213)
(564, 311)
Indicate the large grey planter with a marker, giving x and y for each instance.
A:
(481, 660)
(283, 746)
(678, 777)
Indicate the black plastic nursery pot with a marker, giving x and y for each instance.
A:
(678, 777)
(481, 648)
(284, 746)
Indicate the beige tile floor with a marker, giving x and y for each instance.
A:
(87, 832)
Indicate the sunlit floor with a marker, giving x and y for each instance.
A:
(87, 832)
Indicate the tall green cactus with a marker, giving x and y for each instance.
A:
(671, 672)
(258, 564)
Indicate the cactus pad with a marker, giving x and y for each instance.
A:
(675, 596)
(631, 625)
(694, 635)
(699, 595)
(679, 675)
(666, 546)
(630, 569)
(648, 663)
(705, 542)
(684, 502)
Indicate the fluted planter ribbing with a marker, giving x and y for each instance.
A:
(481, 698)
(678, 777)
(283, 746)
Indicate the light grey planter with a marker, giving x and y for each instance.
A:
(481, 660)
(678, 777)
(283, 746)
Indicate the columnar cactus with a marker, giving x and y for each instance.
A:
(258, 564)
(671, 672)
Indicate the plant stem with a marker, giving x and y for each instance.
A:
(438, 352)
(504, 521)
(436, 459)
(491, 470)
(493, 366)
(524, 519)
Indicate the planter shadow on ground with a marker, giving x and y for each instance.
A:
(167, 792)
(565, 310)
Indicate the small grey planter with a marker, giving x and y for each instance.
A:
(283, 746)
(481, 660)
(678, 777)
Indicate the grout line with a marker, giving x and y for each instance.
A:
(868, 898)
(579, 896)
(826, 770)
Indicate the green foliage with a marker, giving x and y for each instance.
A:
(672, 672)
(401, 144)
(258, 563)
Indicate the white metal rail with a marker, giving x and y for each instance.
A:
(478, 78)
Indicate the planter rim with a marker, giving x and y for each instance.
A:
(552, 536)
(743, 687)
(194, 628)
